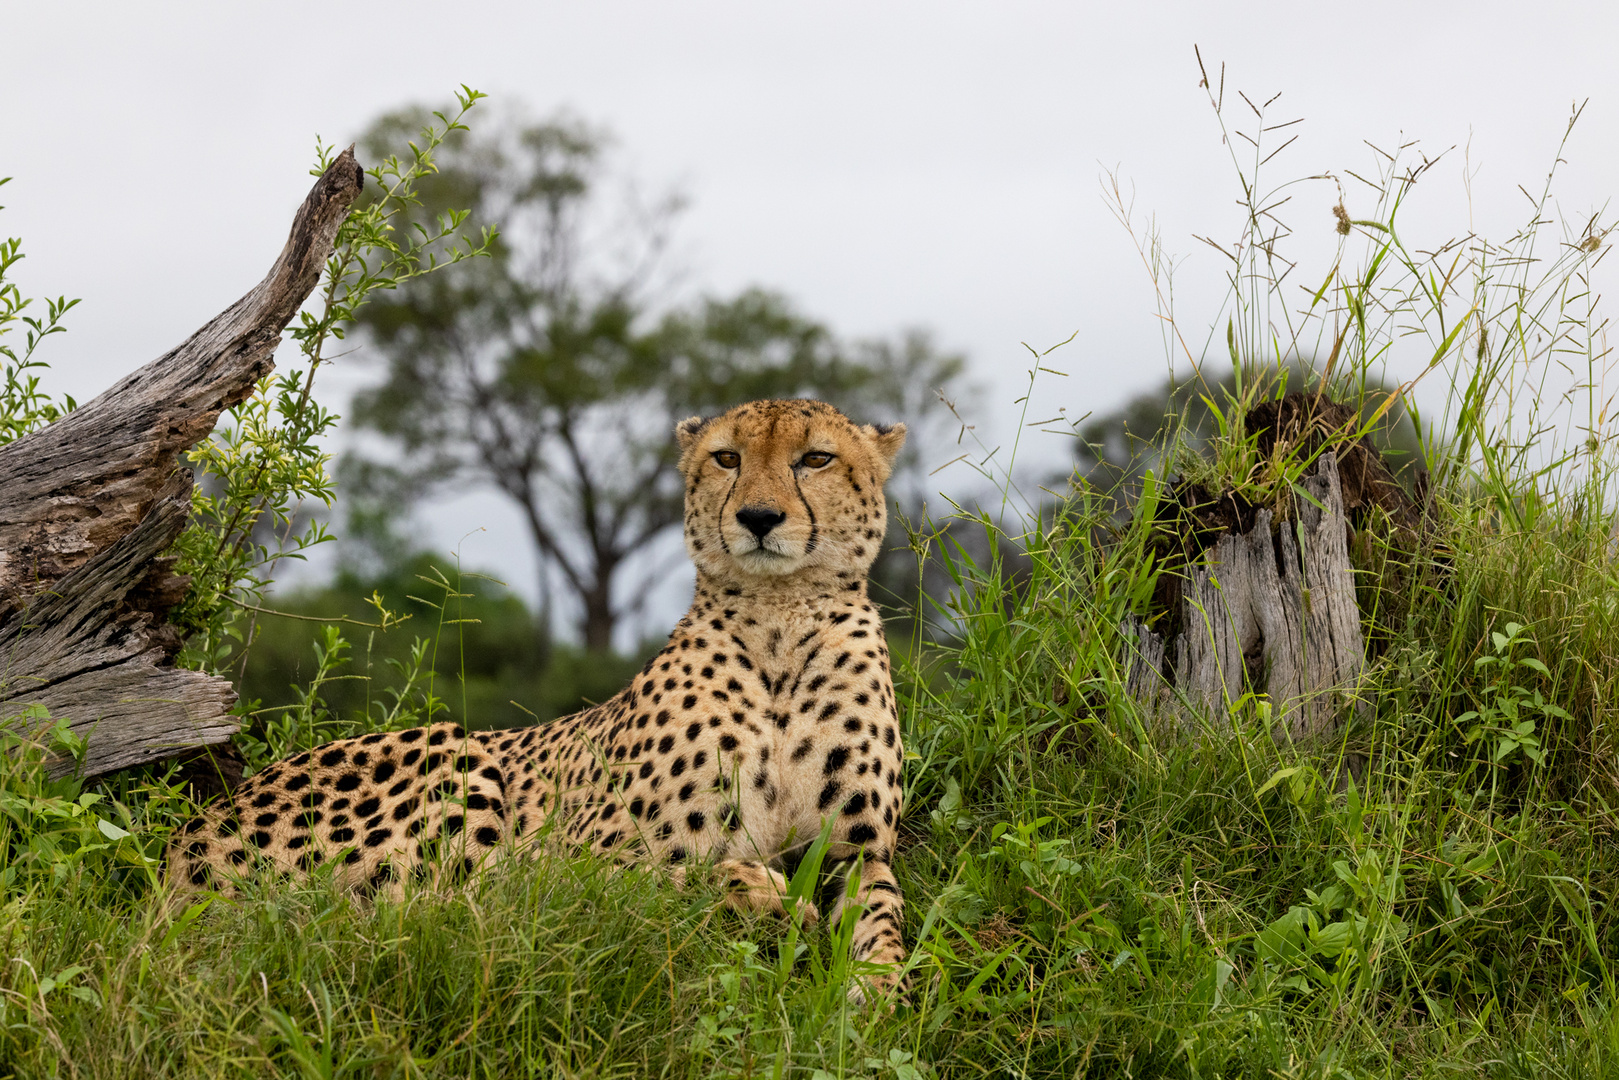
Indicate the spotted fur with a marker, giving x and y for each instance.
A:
(768, 715)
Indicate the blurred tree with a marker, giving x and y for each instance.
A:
(552, 373)
(483, 651)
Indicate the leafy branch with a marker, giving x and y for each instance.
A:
(266, 463)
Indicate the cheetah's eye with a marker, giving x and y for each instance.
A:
(816, 459)
(727, 459)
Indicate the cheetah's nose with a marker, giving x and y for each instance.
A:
(759, 520)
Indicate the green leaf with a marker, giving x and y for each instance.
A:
(109, 830)
(1277, 777)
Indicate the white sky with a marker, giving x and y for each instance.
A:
(884, 164)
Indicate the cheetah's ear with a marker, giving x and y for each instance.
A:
(687, 430)
(890, 439)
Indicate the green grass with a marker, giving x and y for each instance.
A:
(1093, 908)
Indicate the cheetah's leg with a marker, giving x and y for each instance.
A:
(751, 886)
(877, 938)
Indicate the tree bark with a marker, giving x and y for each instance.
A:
(1273, 615)
(599, 617)
(89, 503)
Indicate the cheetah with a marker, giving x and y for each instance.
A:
(768, 719)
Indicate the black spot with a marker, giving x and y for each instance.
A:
(677, 854)
(264, 799)
(856, 803)
(475, 801)
(610, 839)
(689, 702)
(695, 821)
(264, 821)
(411, 757)
(487, 835)
(636, 806)
(678, 766)
(384, 770)
(862, 834)
(836, 760)
(405, 809)
(298, 782)
(436, 739)
(687, 791)
(698, 759)
(828, 793)
(801, 750)
(466, 763)
(666, 744)
(333, 757)
(454, 824)
(348, 782)
(236, 856)
(731, 817)
(372, 739)
(394, 791)
(353, 857)
(410, 736)
(342, 836)
(694, 730)
(369, 807)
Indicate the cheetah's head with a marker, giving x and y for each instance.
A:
(774, 487)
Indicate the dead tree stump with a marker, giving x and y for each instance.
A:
(89, 504)
(1273, 614)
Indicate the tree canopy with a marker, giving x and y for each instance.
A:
(554, 370)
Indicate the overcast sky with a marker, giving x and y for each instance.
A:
(885, 164)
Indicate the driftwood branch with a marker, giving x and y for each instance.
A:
(88, 504)
(1260, 613)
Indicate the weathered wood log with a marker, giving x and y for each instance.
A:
(1267, 614)
(89, 503)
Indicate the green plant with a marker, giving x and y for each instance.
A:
(24, 407)
(266, 459)
(1504, 724)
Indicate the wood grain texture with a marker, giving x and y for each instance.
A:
(89, 503)
(1273, 613)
